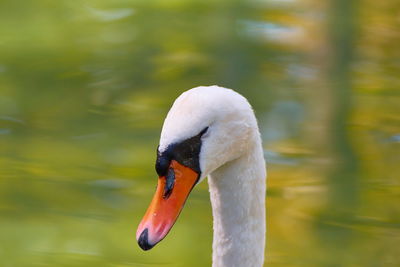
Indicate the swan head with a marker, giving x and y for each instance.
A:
(205, 128)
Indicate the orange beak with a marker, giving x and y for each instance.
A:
(168, 201)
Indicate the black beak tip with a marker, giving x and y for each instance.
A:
(143, 240)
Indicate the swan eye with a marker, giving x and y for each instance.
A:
(185, 152)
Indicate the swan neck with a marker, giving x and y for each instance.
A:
(237, 192)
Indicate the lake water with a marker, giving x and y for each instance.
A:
(84, 89)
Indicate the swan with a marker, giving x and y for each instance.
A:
(212, 131)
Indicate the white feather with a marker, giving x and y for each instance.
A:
(232, 156)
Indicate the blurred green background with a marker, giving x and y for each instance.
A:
(85, 86)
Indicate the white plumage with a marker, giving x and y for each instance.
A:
(232, 157)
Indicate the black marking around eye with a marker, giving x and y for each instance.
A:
(186, 153)
(162, 163)
(203, 131)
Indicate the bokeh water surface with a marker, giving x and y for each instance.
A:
(85, 86)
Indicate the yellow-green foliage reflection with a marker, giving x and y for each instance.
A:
(84, 88)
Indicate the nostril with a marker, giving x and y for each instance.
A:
(169, 183)
(144, 240)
